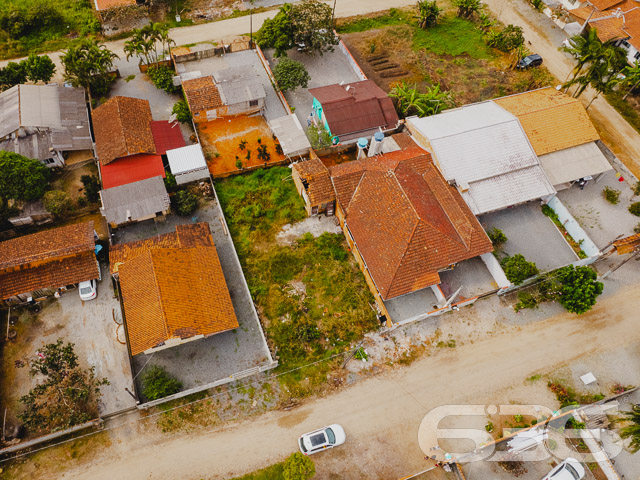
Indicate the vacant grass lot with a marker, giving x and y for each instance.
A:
(453, 54)
(312, 297)
(33, 26)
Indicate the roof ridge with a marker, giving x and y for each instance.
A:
(157, 288)
(400, 263)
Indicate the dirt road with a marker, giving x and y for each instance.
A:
(381, 415)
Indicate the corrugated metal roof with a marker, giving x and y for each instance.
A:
(9, 111)
(186, 159)
(484, 147)
(75, 134)
(37, 146)
(40, 106)
(131, 169)
(576, 162)
(134, 200)
(289, 132)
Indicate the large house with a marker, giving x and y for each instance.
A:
(173, 289)
(38, 265)
(353, 110)
(44, 122)
(402, 220)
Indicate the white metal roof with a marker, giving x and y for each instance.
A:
(573, 163)
(483, 147)
(9, 111)
(186, 159)
(289, 132)
(40, 106)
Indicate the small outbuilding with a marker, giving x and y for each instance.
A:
(289, 132)
(135, 202)
(188, 164)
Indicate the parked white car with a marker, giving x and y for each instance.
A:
(88, 290)
(569, 469)
(322, 439)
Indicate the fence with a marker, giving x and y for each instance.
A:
(352, 61)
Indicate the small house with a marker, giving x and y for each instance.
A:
(188, 164)
(313, 183)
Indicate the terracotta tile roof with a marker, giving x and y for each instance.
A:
(190, 235)
(202, 94)
(604, 4)
(319, 189)
(552, 120)
(355, 107)
(122, 128)
(105, 4)
(174, 293)
(625, 26)
(47, 245)
(406, 220)
(177, 51)
(53, 274)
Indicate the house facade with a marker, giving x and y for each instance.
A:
(313, 183)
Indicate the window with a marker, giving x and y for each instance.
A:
(625, 43)
(637, 55)
(48, 161)
(253, 103)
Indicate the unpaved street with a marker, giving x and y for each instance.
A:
(381, 415)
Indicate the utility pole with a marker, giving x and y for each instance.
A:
(251, 24)
(333, 15)
(632, 256)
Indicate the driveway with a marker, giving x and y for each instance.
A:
(381, 415)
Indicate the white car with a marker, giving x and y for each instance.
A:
(569, 469)
(88, 290)
(322, 439)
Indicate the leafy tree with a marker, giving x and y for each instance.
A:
(517, 268)
(170, 181)
(291, 74)
(21, 178)
(144, 42)
(39, 68)
(66, 394)
(579, 288)
(277, 32)
(91, 187)
(185, 202)
(87, 64)
(410, 101)
(12, 74)
(634, 209)
(312, 23)
(58, 203)
(428, 13)
(467, 8)
(631, 77)
(508, 39)
(298, 467)
(633, 429)
(497, 237)
(319, 137)
(162, 78)
(181, 111)
(158, 383)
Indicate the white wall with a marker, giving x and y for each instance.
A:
(192, 176)
(573, 228)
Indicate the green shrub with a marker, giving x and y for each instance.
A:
(319, 137)
(290, 74)
(181, 111)
(579, 288)
(162, 78)
(170, 181)
(517, 268)
(636, 189)
(298, 467)
(506, 40)
(497, 237)
(537, 4)
(158, 383)
(58, 203)
(634, 209)
(185, 203)
(91, 188)
(636, 229)
(526, 300)
(611, 195)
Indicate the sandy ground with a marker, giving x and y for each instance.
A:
(381, 415)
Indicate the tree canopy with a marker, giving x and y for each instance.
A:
(467, 8)
(291, 74)
(518, 269)
(66, 394)
(298, 467)
(21, 178)
(579, 288)
(277, 32)
(428, 13)
(144, 43)
(39, 68)
(409, 101)
(87, 63)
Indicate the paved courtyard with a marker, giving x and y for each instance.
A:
(531, 234)
(210, 359)
(472, 275)
(411, 305)
(327, 69)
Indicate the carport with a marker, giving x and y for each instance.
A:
(291, 136)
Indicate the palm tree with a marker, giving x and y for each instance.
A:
(428, 12)
(467, 8)
(584, 50)
(633, 429)
(632, 76)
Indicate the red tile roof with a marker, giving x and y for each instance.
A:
(202, 94)
(319, 187)
(355, 107)
(166, 136)
(406, 220)
(122, 128)
(608, 24)
(131, 169)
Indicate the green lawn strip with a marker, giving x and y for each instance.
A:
(270, 473)
(312, 296)
(392, 17)
(625, 109)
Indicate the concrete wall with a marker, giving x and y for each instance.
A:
(352, 61)
(192, 176)
(573, 227)
(301, 190)
(495, 270)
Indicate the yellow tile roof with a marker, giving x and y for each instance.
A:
(552, 120)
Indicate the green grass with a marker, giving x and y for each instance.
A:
(332, 312)
(625, 109)
(453, 36)
(392, 17)
(32, 26)
(270, 473)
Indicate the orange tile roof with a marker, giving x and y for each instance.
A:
(320, 189)
(190, 235)
(551, 119)
(202, 94)
(122, 127)
(174, 293)
(105, 4)
(608, 27)
(406, 220)
(604, 4)
(47, 245)
(52, 274)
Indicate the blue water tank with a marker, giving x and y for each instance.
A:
(363, 142)
(378, 136)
